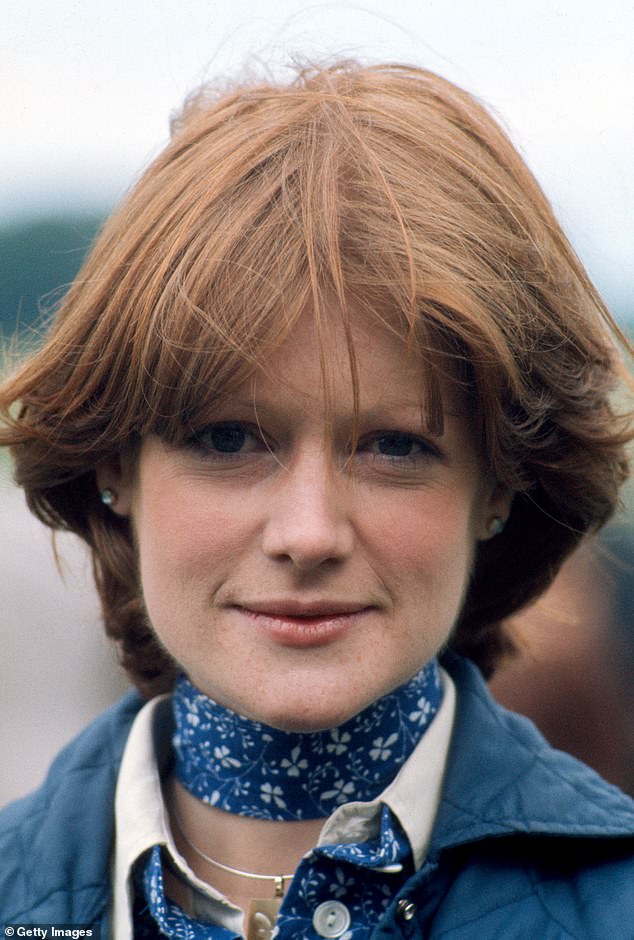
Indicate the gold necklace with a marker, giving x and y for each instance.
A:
(262, 912)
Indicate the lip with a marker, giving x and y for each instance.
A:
(305, 624)
(288, 607)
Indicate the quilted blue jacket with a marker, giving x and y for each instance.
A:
(528, 843)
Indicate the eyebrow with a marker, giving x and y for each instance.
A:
(384, 412)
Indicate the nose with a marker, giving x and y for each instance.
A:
(308, 519)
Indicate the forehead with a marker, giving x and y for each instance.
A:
(333, 354)
(357, 363)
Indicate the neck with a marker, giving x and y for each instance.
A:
(260, 846)
(244, 768)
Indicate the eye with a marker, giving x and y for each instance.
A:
(227, 438)
(400, 445)
(397, 445)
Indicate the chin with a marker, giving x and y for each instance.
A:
(306, 717)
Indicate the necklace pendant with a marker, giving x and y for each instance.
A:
(261, 917)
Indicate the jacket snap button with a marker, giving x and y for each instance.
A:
(406, 909)
(331, 919)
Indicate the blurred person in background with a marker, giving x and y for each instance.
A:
(330, 400)
(573, 673)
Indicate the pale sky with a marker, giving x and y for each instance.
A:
(87, 86)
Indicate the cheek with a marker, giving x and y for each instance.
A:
(425, 554)
(421, 533)
(186, 538)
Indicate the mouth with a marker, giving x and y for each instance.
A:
(304, 609)
(305, 624)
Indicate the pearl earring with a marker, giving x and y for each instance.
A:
(496, 525)
(108, 497)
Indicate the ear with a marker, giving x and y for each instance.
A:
(115, 481)
(496, 509)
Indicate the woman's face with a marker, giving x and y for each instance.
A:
(294, 582)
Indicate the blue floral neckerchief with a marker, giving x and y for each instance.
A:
(242, 766)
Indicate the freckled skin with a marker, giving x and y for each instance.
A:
(267, 508)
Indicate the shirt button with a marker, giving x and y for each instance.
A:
(406, 909)
(331, 919)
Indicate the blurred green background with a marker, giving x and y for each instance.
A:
(39, 258)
